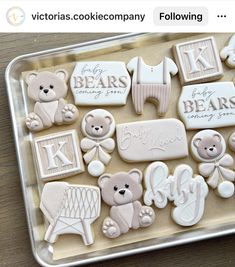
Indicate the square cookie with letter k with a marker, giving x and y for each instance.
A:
(198, 61)
(57, 155)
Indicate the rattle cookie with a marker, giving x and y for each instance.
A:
(70, 209)
(208, 147)
(48, 90)
(98, 126)
(227, 54)
(187, 192)
(151, 83)
(122, 192)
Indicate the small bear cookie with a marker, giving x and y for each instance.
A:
(70, 209)
(209, 147)
(186, 191)
(227, 54)
(122, 192)
(100, 83)
(151, 83)
(98, 126)
(48, 90)
(232, 141)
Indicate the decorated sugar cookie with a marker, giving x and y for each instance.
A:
(152, 140)
(122, 192)
(187, 192)
(48, 90)
(151, 83)
(208, 105)
(70, 209)
(100, 83)
(232, 141)
(98, 126)
(227, 54)
(208, 147)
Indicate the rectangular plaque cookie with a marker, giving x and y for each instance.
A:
(163, 139)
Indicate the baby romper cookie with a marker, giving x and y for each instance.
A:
(70, 209)
(232, 141)
(198, 61)
(209, 147)
(186, 191)
(122, 192)
(151, 83)
(208, 105)
(98, 126)
(100, 83)
(152, 140)
(48, 90)
(57, 155)
(227, 54)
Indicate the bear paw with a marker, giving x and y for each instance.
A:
(70, 113)
(110, 228)
(33, 122)
(146, 216)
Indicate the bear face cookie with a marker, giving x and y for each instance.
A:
(48, 90)
(70, 209)
(186, 191)
(208, 147)
(151, 83)
(122, 192)
(227, 54)
(232, 141)
(98, 126)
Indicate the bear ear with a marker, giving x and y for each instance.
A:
(89, 117)
(136, 175)
(217, 138)
(62, 74)
(103, 179)
(196, 142)
(31, 76)
(108, 119)
(225, 52)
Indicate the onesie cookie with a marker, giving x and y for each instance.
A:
(227, 54)
(100, 83)
(151, 83)
(47, 90)
(70, 209)
(122, 192)
(208, 147)
(232, 141)
(98, 126)
(187, 192)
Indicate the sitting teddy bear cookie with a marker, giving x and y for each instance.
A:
(122, 192)
(227, 54)
(48, 90)
(209, 147)
(98, 126)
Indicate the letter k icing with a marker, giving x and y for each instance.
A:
(58, 154)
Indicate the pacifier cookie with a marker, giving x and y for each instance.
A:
(70, 209)
(47, 90)
(208, 147)
(122, 192)
(98, 126)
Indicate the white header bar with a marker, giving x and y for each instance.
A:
(111, 16)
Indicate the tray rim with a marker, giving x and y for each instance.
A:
(213, 233)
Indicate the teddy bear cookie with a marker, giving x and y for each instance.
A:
(208, 147)
(122, 192)
(98, 126)
(232, 141)
(151, 83)
(47, 90)
(70, 209)
(227, 54)
(188, 192)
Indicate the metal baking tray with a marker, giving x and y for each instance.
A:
(31, 188)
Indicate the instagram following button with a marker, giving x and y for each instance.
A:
(180, 16)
